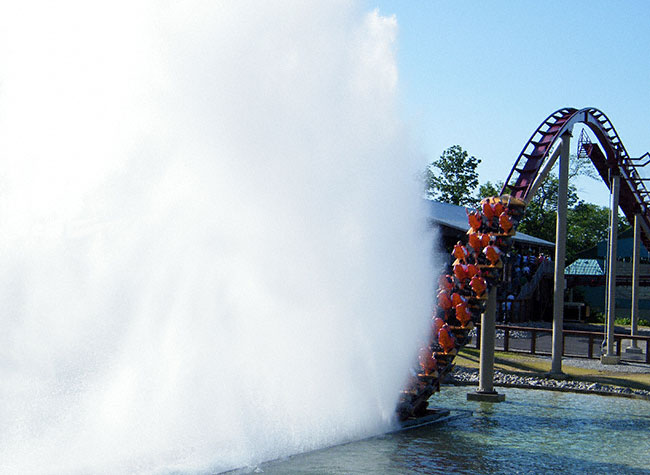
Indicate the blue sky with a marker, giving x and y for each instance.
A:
(484, 75)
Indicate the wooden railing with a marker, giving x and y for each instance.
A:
(591, 337)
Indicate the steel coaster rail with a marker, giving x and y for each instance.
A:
(535, 153)
(613, 158)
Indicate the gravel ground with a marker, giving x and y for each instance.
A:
(622, 367)
(469, 376)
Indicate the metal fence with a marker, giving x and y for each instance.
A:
(575, 343)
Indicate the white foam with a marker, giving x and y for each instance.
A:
(213, 250)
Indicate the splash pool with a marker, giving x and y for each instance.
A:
(531, 432)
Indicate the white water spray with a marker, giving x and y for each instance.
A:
(212, 250)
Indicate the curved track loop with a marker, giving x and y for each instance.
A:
(535, 153)
(610, 158)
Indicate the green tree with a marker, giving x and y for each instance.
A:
(540, 217)
(488, 189)
(453, 177)
(587, 223)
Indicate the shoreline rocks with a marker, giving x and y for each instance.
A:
(469, 376)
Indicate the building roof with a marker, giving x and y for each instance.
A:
(585, 267)
(455, 217)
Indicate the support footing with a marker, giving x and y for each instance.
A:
(486, 396)
(557, 375)
(610, 359)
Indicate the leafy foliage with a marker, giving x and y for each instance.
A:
(489, 189)
(598, 317)
(540, 217)
(456, 177)
(587, 223)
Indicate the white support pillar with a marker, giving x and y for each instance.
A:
(636, 269)
(609, 357)
(560, 255)
(486, 390)
(488, 336)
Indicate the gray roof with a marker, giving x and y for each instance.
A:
(455, 217)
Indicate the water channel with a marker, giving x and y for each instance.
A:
(533, 431)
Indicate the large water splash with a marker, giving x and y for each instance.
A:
(212, 250)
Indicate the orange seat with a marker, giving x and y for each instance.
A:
(446, 339)
(463, 314)
(456, 298)
(444, 302)
(487, 209)
(460, 252)
(493, 254)
(446, 283)
(460, 271)
(475, 242)
(472, 270)
(436, 326)
(505, 222)
(478, 285)
(475, 220)
(427, 361)
(497, 205)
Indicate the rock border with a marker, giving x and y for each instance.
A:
(469, 377)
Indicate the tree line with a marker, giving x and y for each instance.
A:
(453, 178)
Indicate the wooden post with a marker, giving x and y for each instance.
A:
(533, 342)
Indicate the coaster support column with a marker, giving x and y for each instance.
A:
(609, 357)
(560, 255)
(488, 337)
(636, 269)
(486, 390)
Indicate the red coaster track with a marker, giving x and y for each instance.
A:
(608, 158)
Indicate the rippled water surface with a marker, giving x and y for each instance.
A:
(531, 432)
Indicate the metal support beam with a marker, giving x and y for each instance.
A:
(488, 337)
(609, 357)
(560, 255)
(636, 268)
(543, 173)
(486, 390)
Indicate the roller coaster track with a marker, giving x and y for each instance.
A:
(531, 167)
(610, 158)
